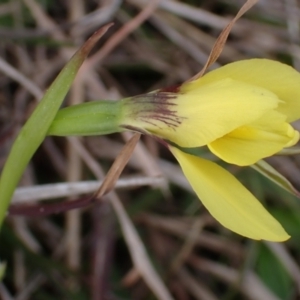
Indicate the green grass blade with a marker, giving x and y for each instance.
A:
(269, 172)
(34, 131)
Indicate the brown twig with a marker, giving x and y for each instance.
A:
(221, 40)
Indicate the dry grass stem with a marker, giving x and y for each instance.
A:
(196, 288)
(250, 285)
(222, 38)
(71, 189)
(116, 169)
(14, 74)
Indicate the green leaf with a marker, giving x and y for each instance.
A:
(34, 131)
(273, 274)
(290, 217)
(268, 171)
(289, 151)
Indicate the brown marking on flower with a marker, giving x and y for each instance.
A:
(155, 108)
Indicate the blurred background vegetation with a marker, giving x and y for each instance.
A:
(87, 253)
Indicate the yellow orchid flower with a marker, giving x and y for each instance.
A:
(242, 113)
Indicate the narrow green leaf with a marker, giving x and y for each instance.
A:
(34, 131)
(289, 151)
(273, 274)
(268, 171)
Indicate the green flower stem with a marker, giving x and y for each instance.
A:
(91, 118)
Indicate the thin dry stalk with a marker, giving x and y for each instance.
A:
(180, 228)
(195, 287)
(25, 235)
(179, 39)
(74, 165)
(33, 194)
(147, 163)
(119, 36)
(32, 285)
(250, 285)
(181, 9)
(4, 293)
(221, 40)
(188, 245)
(116, 169)
(14, 74)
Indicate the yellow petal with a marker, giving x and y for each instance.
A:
(228, 200)
(216, 109)
(281, 79)
(248, 144)
(202, 115)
